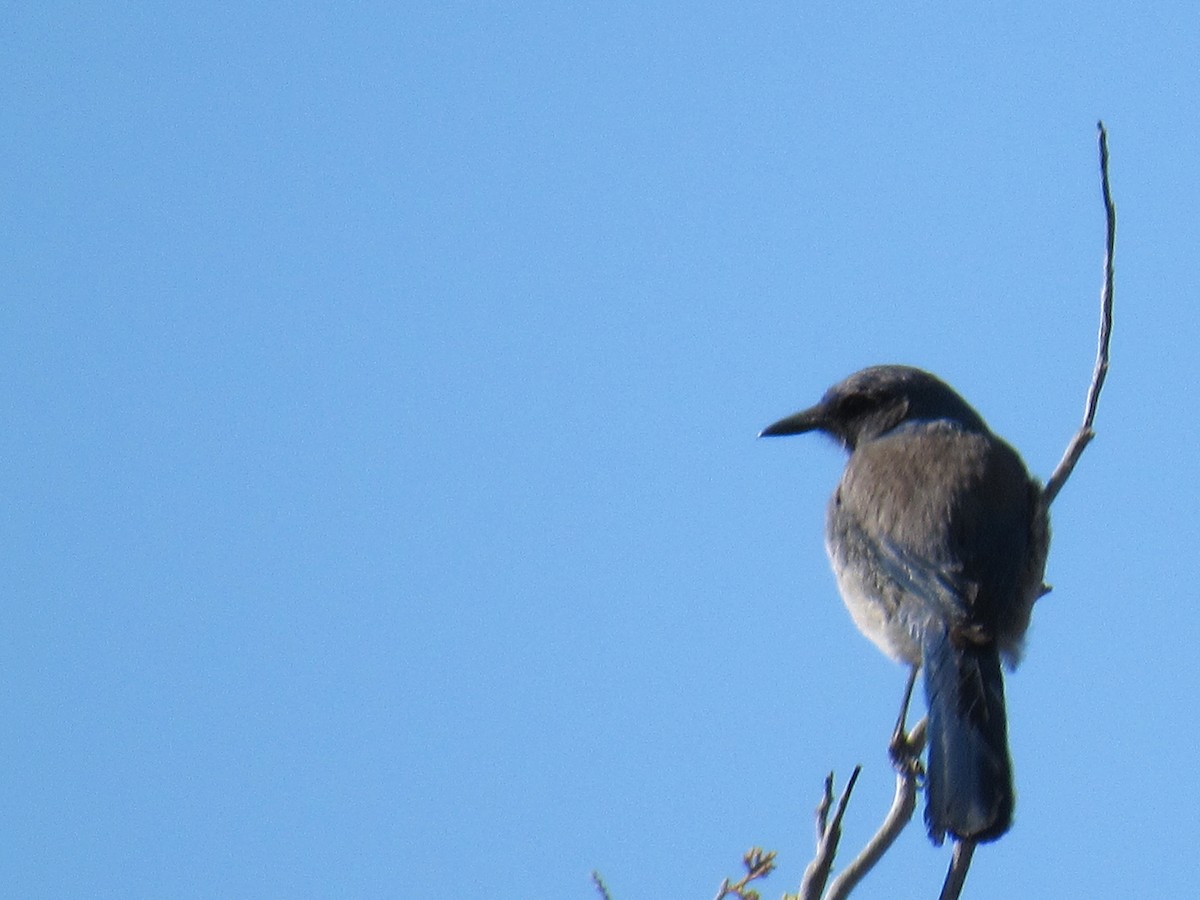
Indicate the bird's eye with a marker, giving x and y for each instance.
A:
(854, 405)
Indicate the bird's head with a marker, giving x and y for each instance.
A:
(873, 401)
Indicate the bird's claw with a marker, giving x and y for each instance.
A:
(904, 749)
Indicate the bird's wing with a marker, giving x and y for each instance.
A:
(940, 589)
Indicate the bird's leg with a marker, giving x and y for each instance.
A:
(905, 747)
(900, 734)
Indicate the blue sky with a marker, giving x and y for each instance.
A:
(384, 515)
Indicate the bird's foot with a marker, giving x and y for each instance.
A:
(905, 749)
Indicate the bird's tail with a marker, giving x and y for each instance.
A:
(968, 789)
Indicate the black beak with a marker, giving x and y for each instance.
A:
(798, 423)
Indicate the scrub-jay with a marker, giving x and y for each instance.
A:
(938, 537)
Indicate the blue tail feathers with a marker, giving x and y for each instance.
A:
(969, 789)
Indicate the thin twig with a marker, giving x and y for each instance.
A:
(960, 862)
(1085, 434)
(817, 872)
(903, 805)
(822, 816)
(759, 863)
(601, 887)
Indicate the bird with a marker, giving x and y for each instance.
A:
(938, 538)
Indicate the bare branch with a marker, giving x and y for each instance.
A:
(822, 816)
(1085, 434)
(904, 803)
(829, 834)
(960, 862)
(601, 887)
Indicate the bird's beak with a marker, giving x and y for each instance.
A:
(798, 423)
